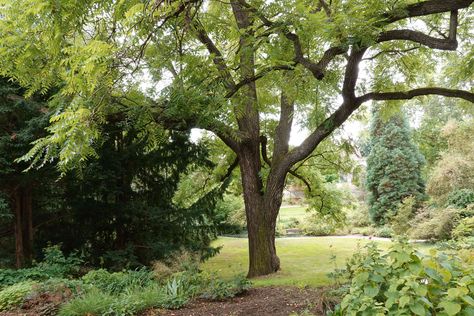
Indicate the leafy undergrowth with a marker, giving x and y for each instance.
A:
(404, 281)
(53, 288)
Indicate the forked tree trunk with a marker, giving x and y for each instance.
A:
(261, 211)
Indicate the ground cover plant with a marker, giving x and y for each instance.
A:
(404, 281)
(100, 292)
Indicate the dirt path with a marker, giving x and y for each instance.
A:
(275, 301)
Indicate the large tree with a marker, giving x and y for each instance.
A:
(394, 167)
(243, 70)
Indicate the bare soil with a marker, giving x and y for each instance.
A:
(273, 300)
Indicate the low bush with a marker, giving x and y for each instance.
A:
(357, 216)
(407, 282)
(461, 198)
(435, 223)
(13, 295)
(219, 289)
(118, 282)
(384, 232)
(54, 265)
(321, 225)
(94, 302)
(465, 228)
(365, 231)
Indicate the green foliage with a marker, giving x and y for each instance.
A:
(54, 265)
(94, 303)
(219, 289)
(407, 282)
(319, 226)
(117, 282)
(433, 223)
(465, 228)
(229, 213)
(393, 167)
(14, 295)
(454, 171)
(401, 222)
(436, 113)
(461, 198)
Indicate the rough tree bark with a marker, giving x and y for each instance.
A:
(23, 211)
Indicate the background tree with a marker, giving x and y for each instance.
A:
(453, 172)
(242, 70)
(434, 116)
(394, 167)
(21, 122)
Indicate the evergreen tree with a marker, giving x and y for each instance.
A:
(393, 167)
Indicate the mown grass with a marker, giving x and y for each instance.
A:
(304, 260)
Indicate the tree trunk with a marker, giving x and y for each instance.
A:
(23, 205)
(261, 212)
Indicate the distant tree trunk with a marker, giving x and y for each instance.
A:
(23, 209)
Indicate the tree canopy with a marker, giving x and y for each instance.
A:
(245, 70)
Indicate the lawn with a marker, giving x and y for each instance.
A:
(304, 260)
(288, 212)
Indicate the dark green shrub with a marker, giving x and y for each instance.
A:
(393, 167)
(461, 198)
(407, 282)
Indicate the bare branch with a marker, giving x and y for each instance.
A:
(391, 51)
(317, 69)
(349, 105)
(410, 94)
(300, 177)
(426, 8)
(283, 129)
(449, 43)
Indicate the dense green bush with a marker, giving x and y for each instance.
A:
(407, 282)
(461, 198)
(54, 265)
(320, 228)
(14, 295)
(435, 223)
(219, 289)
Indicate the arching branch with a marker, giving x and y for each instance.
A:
(449, 43)
(410, 94)
(425, 8)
